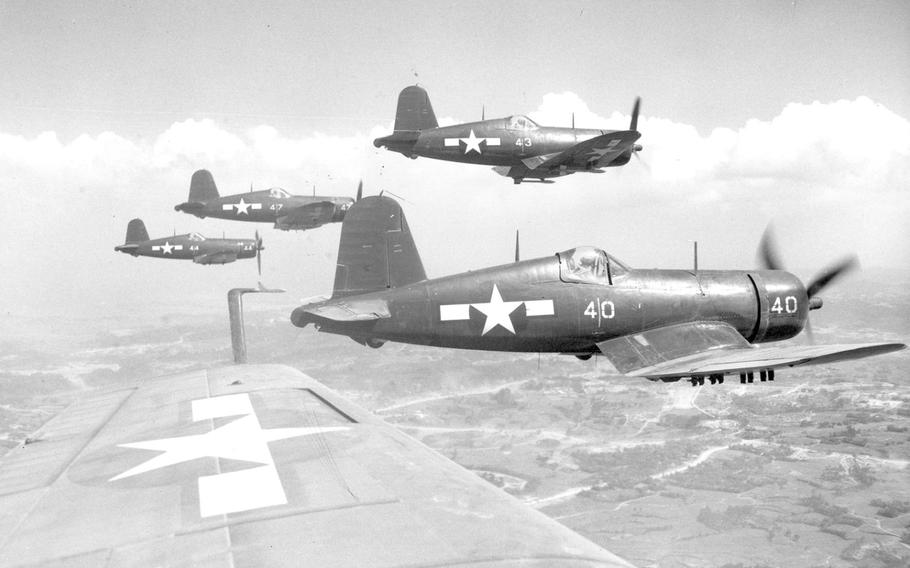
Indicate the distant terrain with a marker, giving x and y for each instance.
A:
(810, 470)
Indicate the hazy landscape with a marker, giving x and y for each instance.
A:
(810, 470)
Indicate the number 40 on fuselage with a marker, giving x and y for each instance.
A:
(653, 323)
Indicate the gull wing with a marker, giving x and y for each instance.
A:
(597, 152)
(307, 216)
(249, 466)
(706, 348)
(216, 257)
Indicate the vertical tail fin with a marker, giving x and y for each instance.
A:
(135, 232)
(414, 110)
(202, 187)
(376, 251)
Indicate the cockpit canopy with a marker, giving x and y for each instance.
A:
(519, 122)
(589, 265)
(195, 237)
(278, 193)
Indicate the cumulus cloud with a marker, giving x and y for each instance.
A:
(845, 163)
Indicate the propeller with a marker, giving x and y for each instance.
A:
(359, 191)
(633, 125)
(770, 260)
(259, 249)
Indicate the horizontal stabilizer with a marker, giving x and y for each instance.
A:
(130, 248)
(706, 348)
(350, 310)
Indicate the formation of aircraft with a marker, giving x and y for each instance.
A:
(516, 146)
(657, 324)
(287, 212)
(189, 246)
(260, 465)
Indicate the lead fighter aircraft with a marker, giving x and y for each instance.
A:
(657, 324)
(516, 146)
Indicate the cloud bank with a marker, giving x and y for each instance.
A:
(833, 176)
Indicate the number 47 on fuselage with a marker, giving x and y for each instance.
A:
(516, 146)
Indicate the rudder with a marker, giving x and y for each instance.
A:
(414, 110)
(202, 187)
(135, 232)
(376, 250)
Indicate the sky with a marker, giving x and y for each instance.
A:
(754, 113)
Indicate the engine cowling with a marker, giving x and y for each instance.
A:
(783, 306)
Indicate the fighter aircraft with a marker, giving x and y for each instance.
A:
(518, 147)
(190, 246)
(287, 212)
(657, 324)
(260, 465)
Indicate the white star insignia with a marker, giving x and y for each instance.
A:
(497, 312)
(472, 142)
(167, 247)
(243, 440)
(242, 207)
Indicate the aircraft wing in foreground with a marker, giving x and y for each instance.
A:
(255, 466)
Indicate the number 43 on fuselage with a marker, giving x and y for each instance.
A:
(516, 146)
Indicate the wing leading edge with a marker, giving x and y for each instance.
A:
(256, 466)
(307, 216)
(597, 152)
(707, 348)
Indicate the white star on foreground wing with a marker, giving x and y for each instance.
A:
(472, 142)
(243, 440)
(497, 312)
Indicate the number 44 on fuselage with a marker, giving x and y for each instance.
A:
(516, 146)
(655, 323)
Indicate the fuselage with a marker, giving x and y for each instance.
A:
(541, 305)
(496, 142)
